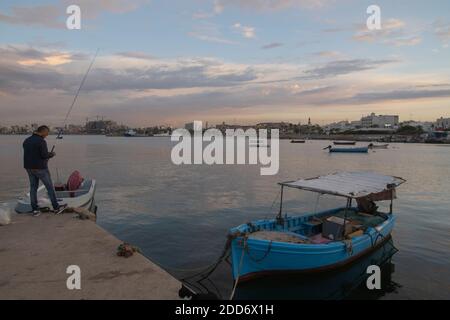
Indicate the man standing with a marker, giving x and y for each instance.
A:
(35, 160)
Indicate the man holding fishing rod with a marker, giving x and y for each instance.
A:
(35, 160)
(36, 157)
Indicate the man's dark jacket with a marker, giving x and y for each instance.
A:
(35, 153)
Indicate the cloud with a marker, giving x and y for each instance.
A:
(408, 41)
(245, 31)
(51, 60)
(335, 29)
(111, 74)
(327, 54)
(29, 56)
(272, 45)
(164, 77)
(222, 102)
(406, 94)
(263, 5)
(53, 16)
(217, 9)
(210, 32)
(392, 32)
(442, 31)
(135, 87)
(45, 16)
(92, 9)
(343, 67)
(136, 55)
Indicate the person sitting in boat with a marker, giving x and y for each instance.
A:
(366, 205)
(35, 160)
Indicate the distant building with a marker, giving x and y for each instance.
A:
(223, 127)
(338, 126)
(100, 126)
(75, 129)
(443, 124)
(356, 124)
(425, 125)
(193, 126)
(380, 121)
(283, 127)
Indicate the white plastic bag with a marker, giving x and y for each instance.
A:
(5, 215)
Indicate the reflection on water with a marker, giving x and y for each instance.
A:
(344, 283)
(179, 216)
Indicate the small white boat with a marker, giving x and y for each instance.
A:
(83, 197)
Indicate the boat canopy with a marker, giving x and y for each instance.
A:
(352, 185)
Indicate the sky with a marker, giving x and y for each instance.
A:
(168, 62)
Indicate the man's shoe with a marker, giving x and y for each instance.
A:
(60, 209)
(36, 213)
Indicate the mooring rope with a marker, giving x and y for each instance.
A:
(238, 275)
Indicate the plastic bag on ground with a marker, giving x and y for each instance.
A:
(5, 215)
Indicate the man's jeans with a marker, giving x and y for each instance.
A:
(44, 175)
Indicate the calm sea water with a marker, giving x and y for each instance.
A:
(179, 215)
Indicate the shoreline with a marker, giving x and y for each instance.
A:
(388, 138)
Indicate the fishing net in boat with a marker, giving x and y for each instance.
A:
(277, 236)
(365, 220)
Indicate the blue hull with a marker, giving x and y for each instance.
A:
(350, 150)
(262, 257)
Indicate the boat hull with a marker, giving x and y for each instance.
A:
(350, 150)
(344, 143)
(263, 257)
(85, 200)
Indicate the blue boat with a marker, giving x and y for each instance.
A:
(347, 283)
(348, 150)
(317, 242)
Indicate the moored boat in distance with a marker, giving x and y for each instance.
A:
(317, 242)
(348, 150)
(164, 134)
(298, 141)
(133, 134)
(344, 143)
(378, 146)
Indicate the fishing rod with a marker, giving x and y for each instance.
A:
(75, 99)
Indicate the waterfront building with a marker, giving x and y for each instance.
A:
(380, 121)
(100, 126)
(443, 123)
(337, 126)
(425, 125)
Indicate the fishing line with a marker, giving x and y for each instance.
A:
(76, 97)
(70, 109)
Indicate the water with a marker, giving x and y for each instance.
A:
(179, 215)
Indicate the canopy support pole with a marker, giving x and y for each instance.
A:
(392, 202)
(280, 213)
(348, 206)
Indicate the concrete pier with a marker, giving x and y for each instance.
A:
(36, 251)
